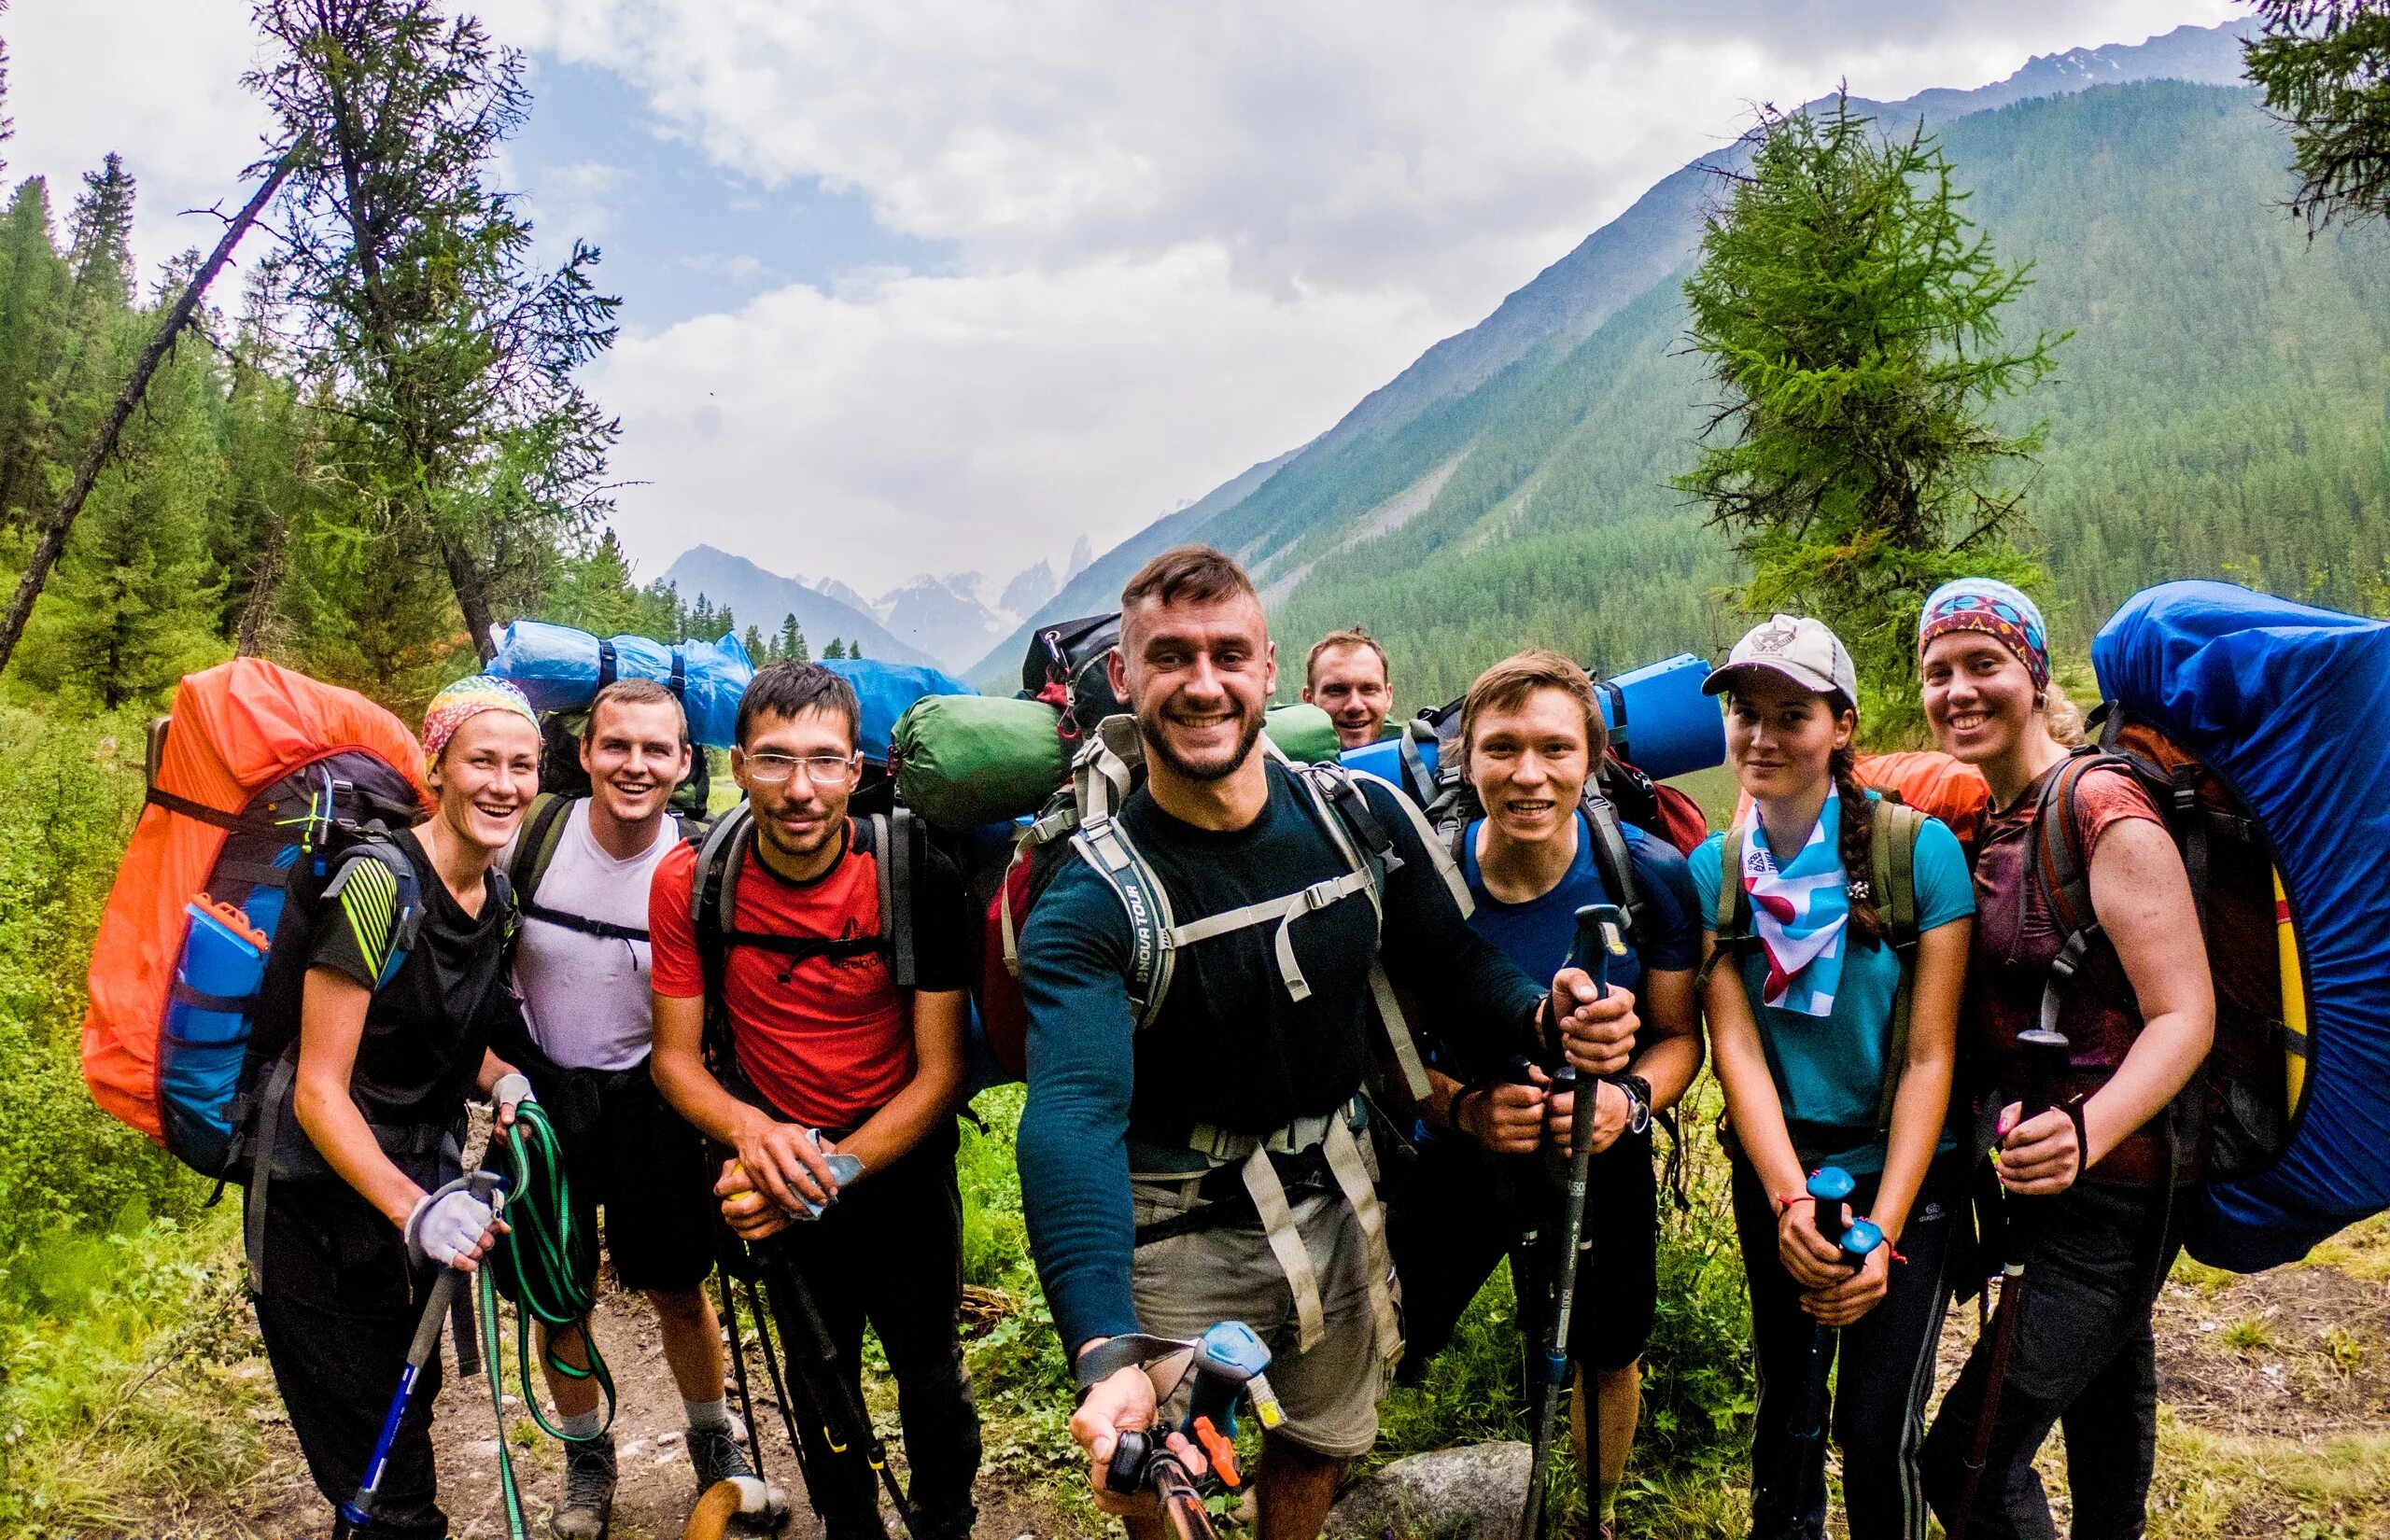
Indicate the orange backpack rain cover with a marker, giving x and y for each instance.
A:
(237, 728)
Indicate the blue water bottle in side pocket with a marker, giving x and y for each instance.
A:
(207, 1029)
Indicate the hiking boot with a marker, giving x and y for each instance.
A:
(588, 1491)
(718, 1455)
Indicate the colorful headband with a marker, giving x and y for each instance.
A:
(466, 699)
(1996, 609)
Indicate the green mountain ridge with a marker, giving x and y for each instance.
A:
(2218, 411)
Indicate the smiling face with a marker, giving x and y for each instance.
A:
(798, 816)
(1198, 675)
(1780, 737)
(1979, 700)
(1349, 684)
(634, 757)
(1528, 763)
(486, 775)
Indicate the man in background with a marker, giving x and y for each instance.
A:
(1346, 677)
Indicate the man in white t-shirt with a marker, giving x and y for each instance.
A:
(582, 873)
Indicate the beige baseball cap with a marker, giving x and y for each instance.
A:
(1800, 649)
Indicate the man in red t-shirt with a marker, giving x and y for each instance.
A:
(825, 1043)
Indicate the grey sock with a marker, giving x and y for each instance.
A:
(706, 1416)
(581, 1424)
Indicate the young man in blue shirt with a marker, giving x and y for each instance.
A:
(1240, 1096)
(1531, 738)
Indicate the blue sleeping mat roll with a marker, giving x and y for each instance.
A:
(2288, 704)
(561, 669)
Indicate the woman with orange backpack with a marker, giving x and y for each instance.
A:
(366, 1204)
(2094, 1174)
(1842, 920)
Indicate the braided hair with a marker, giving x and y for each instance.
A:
(1858, 843)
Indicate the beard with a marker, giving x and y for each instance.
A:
(1157, 746)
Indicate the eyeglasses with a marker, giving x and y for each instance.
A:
(831, 770)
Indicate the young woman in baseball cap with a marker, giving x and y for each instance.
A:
(2100, 1166)
(1834, 1038)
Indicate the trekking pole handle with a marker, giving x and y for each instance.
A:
(1601, 936)
(1828, 1189)
(2045, 1055)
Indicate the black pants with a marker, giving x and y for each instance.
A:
(2084, 1359)
(1884, 1372)
(890, 1252)
(1461, 1210)
(338, 1310)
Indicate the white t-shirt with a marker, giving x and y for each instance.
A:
(585, 997)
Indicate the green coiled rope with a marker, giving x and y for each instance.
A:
(535, 1264)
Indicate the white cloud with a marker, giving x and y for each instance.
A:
(910, 422)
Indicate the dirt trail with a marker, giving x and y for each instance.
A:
(657, 1486)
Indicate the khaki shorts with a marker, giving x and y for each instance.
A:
(1186, 1285)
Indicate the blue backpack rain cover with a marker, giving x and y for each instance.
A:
(2287, 705)
(884, 690)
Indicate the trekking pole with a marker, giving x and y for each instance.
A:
(357, 1511)
(738, 1368)
(1601, 935)
(1228, 1364)
(831, 1396)
(2045, 1055)
(1799, 1483)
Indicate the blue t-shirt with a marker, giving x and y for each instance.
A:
(1536, 934)
(1829, 1070)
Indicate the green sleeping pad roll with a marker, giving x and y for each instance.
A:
(963, 761)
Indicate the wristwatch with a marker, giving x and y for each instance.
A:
(1638, 1102)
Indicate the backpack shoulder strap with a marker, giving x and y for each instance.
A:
(713, 896)
(536, 848)
(381, 897)
(1731, 924)
(1104, 844)
(1893, 880)
(1616, 864)
(1357, 829)
(894, 840)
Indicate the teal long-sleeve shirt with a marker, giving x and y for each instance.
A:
(1229, 1047)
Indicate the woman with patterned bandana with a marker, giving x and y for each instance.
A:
(365, 1205)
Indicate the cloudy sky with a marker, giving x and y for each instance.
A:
(934, 285)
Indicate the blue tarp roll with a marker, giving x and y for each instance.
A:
(2287, 704)
(884, 690)
(558, 667)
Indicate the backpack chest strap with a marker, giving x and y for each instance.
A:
(1282, 911)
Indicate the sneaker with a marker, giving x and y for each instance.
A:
(588, 1491)
(718, 1455)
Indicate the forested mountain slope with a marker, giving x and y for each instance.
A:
(1340, 481)
(2220, 410)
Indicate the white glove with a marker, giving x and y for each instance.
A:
(448, 1224)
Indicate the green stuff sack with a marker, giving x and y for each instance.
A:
(1304, 734)
(963, 761)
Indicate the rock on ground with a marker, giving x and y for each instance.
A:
(1470, 1492)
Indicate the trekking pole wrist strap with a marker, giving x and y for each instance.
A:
(1130, 1351)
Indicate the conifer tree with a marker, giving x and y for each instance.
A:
(413, 281)
(1850, 317)
(836, 650)
(99, 247)
(791, 641)
(2324, 67)
(758, 649)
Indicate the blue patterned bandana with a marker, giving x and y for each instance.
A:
(1997, 610)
